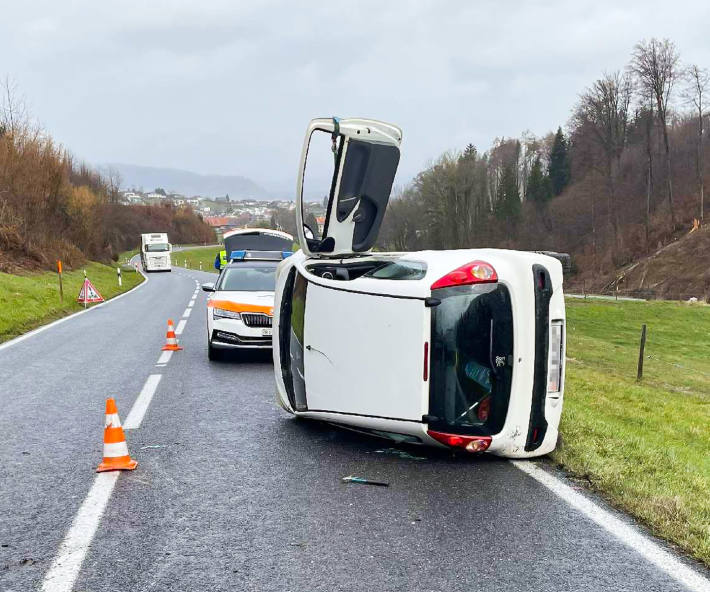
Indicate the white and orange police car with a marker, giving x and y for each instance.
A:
(240, 306)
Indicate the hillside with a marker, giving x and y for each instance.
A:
(677, 271)
(53, 208)
(186, 182)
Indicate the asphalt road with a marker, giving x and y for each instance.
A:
(233, 494)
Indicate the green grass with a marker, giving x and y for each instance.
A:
(28, 301)
(126, 255)
(644, 445)
(205, 255)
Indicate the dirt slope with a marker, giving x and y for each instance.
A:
(677, 271)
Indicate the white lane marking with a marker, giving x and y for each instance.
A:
(165, 357)
(65, 567)
(180, 327)
(29, 334)
(191, 304)
(626, 533)
(187, 312)
(135, 416)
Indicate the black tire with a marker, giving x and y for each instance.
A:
(213, 354)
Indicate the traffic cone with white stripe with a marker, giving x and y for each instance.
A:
(171, 342)
(116, 457)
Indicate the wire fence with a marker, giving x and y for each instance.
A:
(691, 296)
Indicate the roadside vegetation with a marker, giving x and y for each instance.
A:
(621, 179)
(32, 299)
(644, 445)
(194, 257)
(54, 207)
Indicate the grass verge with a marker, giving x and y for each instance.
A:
(28, 301)
(644, 445)
(194, 257)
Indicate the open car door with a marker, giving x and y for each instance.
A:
(359, 157)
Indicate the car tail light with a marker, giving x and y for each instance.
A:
(476, 272)
(469, 443)
(554, 372)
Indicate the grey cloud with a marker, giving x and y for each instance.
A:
(225, 87)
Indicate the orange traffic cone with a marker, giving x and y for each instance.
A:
(116, 457)
(171, 342)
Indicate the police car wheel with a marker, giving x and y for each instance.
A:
(213, 353)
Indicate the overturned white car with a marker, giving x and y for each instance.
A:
(461, 348)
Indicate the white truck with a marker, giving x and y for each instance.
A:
(155, 252)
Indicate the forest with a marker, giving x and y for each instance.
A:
(53, 207)
(622, 177)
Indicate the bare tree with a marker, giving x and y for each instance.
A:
(698, 85)
(13, 109)
(655, 63)
(645, 118)
(113, 184)
(604, 109)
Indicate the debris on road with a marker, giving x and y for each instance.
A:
(153, 446)
(363, 481)
(400, 453)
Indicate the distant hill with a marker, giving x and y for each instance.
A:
(186, 182)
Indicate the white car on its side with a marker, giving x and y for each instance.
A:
(461, 348)
(240, 306)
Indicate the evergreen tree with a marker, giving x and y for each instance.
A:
(559, 170)
(469, 153)
(508, 197)
(539, 187)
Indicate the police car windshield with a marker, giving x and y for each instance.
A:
(254, 276)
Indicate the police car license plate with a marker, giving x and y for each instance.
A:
(266, 332)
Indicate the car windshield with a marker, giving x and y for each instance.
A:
(154, 247)
(398, 270)
(471, 355)
(255, 276)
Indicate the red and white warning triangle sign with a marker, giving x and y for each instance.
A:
(88, 293)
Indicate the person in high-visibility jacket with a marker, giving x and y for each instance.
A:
(220, 260)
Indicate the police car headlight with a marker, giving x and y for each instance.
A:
(221, 313)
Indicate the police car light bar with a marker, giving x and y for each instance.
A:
(259, 255)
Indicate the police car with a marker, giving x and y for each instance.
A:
(240, 305)
(252, 239)
(462, 349)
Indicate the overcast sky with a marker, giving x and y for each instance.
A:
(228, 87)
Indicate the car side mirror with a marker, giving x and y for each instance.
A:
(307, 232)
(208, 287)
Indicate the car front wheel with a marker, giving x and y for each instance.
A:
(213, 353)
